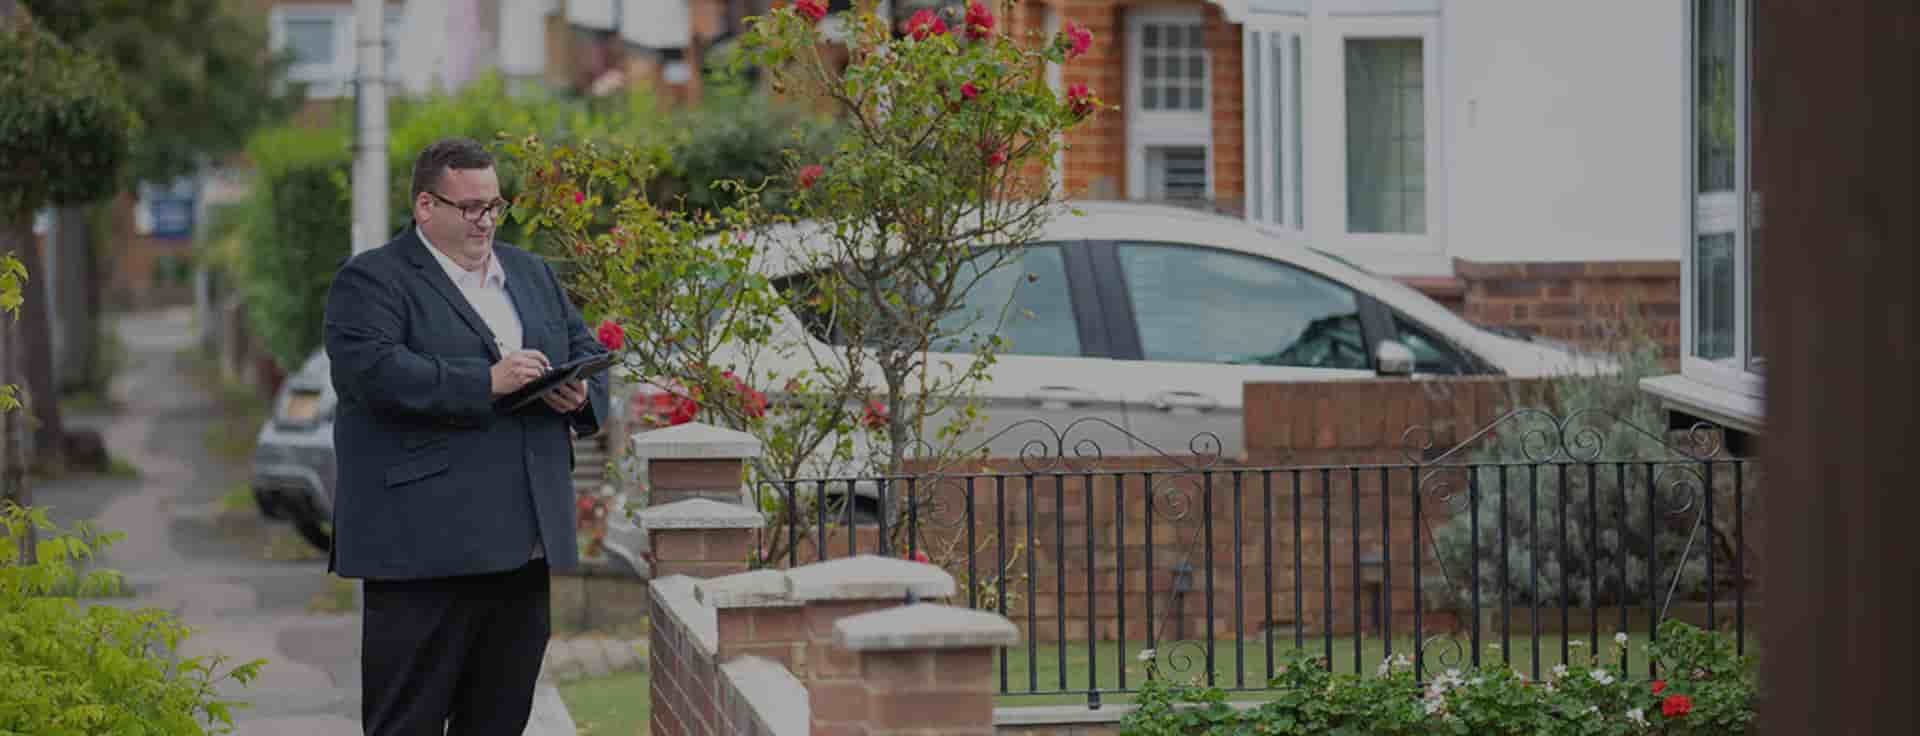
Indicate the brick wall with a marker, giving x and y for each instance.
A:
(1584, 303)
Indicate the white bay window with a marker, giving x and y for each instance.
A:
(1271, 64)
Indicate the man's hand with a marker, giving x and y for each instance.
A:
(518, 369)
(568, 397)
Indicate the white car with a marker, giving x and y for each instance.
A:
(1150, 319)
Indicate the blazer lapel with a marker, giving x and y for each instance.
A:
(436, 277)
(520, 289)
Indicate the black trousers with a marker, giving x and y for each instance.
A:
(455, 656)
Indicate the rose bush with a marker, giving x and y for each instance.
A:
(1709, 690)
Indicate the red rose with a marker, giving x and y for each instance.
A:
(925, 24)
(1079, 99)
(875, 417)
(579, 197)
(968, 91)
(683, 411)
(814, 10)
(809, 174)
(997, 157)
(1077, 39)
(1675, 706)
(1659, 685)
(979, 21)
(920, 556)
(611, 335)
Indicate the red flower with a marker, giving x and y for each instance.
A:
(979, 21)
(997, 156)
(683, 411)
(1077, 39)
(920, 556)
(752, 402)
(814, 10)
(1659, 685)
(1079, 99)
(875, 417)
(968, 91)
(611, 335)
(925, 24)
(1675, 706)
(809, 174)
(579, 197)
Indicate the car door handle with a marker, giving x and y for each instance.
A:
(1059, 397)
(1188, 400)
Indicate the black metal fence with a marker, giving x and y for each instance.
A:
(1540, 541)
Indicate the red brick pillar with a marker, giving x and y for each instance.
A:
(694, 461)
(926, 669)
(789, 617)
(700, 538)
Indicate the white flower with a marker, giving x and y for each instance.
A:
(1559, 671)
(1577, 644)
(1435, 705)
(1638, 716)
(1602, 676)
(1593, 709)
(1620, 638)
(1146, 655)
(1385, 667)
(1476, 681)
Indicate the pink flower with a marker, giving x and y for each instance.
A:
(968, 91)
(579, 197)
(979, 21)
(814, 10)
(996, 153)
(1077, 39)
(1079, 99)
(611, 335)
(875, 417)
(809, 174)
(925, 24)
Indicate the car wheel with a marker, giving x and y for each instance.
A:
(317, 533)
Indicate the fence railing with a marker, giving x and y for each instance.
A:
(1531, 544)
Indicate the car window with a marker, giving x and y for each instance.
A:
(1025, 299)
(1431, 354)
(1202, 305)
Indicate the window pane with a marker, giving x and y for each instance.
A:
(1173, 67)
(1197, 97)
(1431, 354)
(1196, 67)
(1150, 35)
(1210, 306)
(1027, 299)
(1196, 36)
(1714, 106)
(1177, 173)
(1713, 284)
(311, 40)
(1150, 97)
(1386, 136)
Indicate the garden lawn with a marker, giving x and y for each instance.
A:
(615, 704)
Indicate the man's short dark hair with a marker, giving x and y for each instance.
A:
(444, 154)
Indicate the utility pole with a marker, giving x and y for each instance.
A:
(370, 129)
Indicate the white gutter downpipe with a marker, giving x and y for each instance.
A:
(370, 138)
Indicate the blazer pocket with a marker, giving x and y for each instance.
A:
(418, 468)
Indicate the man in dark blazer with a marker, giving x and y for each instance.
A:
(451, 511)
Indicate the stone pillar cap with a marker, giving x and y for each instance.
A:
(700, 513)
(924, 626)
(867, 577)
(754, 589)
(694, 441)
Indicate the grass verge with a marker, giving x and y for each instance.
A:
(615, 704)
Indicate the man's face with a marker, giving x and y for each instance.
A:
(448, 225)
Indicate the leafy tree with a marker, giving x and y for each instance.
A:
(65, 136)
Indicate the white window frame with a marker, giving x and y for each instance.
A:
(324, 80)
(1333, 114)
(1157, 129)
(1274, 58)
(1734, 374)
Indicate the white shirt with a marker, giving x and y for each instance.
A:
(486, 292)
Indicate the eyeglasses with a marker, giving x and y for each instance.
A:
(474, 212)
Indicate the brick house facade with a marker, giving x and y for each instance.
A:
(1584, 299)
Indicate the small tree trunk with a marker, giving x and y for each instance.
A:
(36, 349)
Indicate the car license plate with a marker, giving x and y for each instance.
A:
(301, 407)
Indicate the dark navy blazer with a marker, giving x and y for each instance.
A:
(433, 482)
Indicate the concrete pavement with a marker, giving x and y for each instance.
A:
(176, 557)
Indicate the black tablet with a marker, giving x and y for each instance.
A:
(577, 369)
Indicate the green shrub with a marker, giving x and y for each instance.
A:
(1604, 418)
(1707, 690)
(68, 669)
